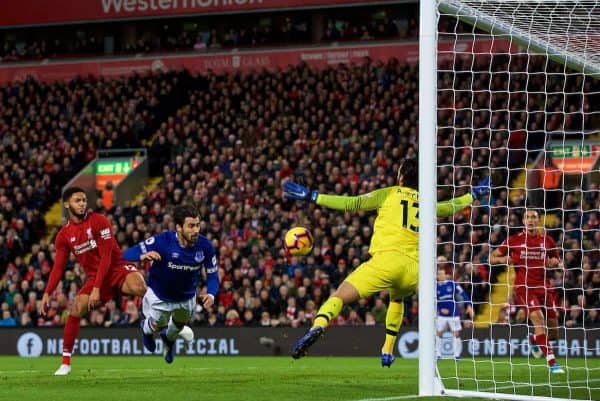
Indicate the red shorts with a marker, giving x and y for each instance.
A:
(533, 299)
(113, 282)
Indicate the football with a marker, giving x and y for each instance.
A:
(298, 241)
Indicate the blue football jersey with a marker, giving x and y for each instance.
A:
(175, 276)
(449, 296)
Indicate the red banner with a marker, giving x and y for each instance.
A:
(231, 61)
(36, 12)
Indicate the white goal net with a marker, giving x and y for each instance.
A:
(518, 100)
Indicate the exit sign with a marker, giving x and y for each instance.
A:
(115, 167)
(113, 170)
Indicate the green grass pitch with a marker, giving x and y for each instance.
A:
(277, 378)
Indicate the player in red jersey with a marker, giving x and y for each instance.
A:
(89, 237)
(531, 252)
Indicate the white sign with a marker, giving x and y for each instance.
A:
(29, 345)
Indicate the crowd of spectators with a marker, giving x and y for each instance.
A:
(210, 152)
(501, 128)
(202, 34)
(226, 142)
(379, 28)
(51, 47)
(48, 133)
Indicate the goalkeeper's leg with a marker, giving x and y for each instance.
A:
(385, 270)
(363, 282)
(329, 310)
(369, 278)
(333, 306)
(405, 283)
(393, 321)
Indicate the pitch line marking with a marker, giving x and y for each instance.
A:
(399, 397)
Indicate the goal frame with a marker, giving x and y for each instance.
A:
(430, 383)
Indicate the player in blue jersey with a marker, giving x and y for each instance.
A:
(450, 296)
(177, 258)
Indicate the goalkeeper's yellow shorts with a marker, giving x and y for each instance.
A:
(393, 271)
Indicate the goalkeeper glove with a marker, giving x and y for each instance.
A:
(481, 189)
(294, 191)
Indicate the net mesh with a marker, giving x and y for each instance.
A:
(521, 104)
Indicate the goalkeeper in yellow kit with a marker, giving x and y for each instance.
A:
(394, 251)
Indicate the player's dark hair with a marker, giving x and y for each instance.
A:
(182, 212)
(70, 192)
(531, 209)
(409, 170)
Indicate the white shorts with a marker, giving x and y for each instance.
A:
(450, 322)
(160, 311)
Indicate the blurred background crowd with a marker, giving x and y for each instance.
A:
(225, 142)
(210, 33)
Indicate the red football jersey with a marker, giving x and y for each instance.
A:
(528, 253)
(93, 244)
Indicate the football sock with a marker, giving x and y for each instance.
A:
(69, 335)
(541, 340)
(393, 321)
(457, 347)
(147, 328)
(329, 310)
(172, 330)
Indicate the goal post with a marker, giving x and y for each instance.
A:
(510, 89)
(428, 382)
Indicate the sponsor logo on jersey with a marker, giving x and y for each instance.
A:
(86, 246)
(537, 254)
(105, 233)
(183, 267)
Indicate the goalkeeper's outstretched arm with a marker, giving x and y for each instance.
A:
(452, 206)
(374, 200)
(369, 201)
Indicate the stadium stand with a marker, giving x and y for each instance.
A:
(225, 143)
(207, 33)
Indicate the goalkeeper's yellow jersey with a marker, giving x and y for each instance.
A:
(397, 224)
